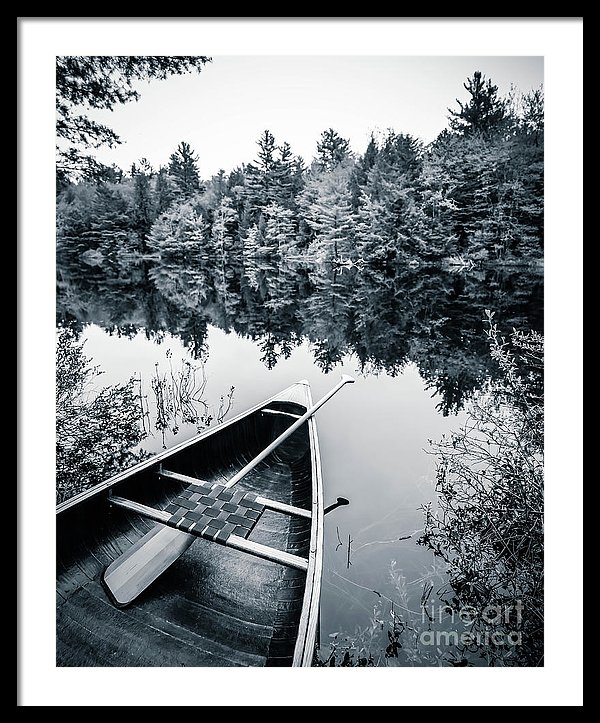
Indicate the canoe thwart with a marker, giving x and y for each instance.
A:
(179, 477)
(144, 510)
(282, 507)
(218, 515)
(269, 504)
(268, 553)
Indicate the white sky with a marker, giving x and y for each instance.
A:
(223, 111)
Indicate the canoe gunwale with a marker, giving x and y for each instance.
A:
(309, 617)
(161, 456)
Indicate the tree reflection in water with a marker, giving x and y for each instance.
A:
(427, 316)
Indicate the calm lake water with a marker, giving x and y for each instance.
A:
(414, 342)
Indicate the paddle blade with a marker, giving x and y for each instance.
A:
(131, 573)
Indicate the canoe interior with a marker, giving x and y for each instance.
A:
(214, 606)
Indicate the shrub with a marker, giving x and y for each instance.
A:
(488, 525)
(95, 431)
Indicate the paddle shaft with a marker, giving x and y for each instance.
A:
(288, 432)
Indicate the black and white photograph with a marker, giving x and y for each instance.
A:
(299, 381)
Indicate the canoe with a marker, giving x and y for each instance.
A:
(243, 593)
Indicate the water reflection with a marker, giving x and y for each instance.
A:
(427, 316)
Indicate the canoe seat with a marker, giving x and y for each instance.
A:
(214, 512)
(225, 519)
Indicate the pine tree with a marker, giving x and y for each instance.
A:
(225, 229)
(364, 164)
(281, 228)
(179, 232)
(332, 150)
(283, 177)
(269, 180)
(261, 183)
(392, 177)
(237, 193)
(143, 207)
(480, 197)
(484, 113)
(432, 224)
(470, 166)
(74, 217)
(102, 81)
(266, 153)
(298, 171)
(253, 241)
(326, 208)
(219, 183)
(253, 194)
(110, 225)
(374, 242)
(533, 115)
(165, 190)
(183, 167)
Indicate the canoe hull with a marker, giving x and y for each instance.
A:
(214, 606)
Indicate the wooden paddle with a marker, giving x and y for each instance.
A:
(131, 573)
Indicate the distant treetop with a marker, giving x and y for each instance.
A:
(332, 149)
(483, 113)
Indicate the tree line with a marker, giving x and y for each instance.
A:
(475, 193)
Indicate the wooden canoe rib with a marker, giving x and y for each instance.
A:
(251, 600)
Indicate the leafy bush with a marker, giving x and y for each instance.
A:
(95, 433)
(488, 527)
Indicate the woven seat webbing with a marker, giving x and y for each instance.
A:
(215, 513)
